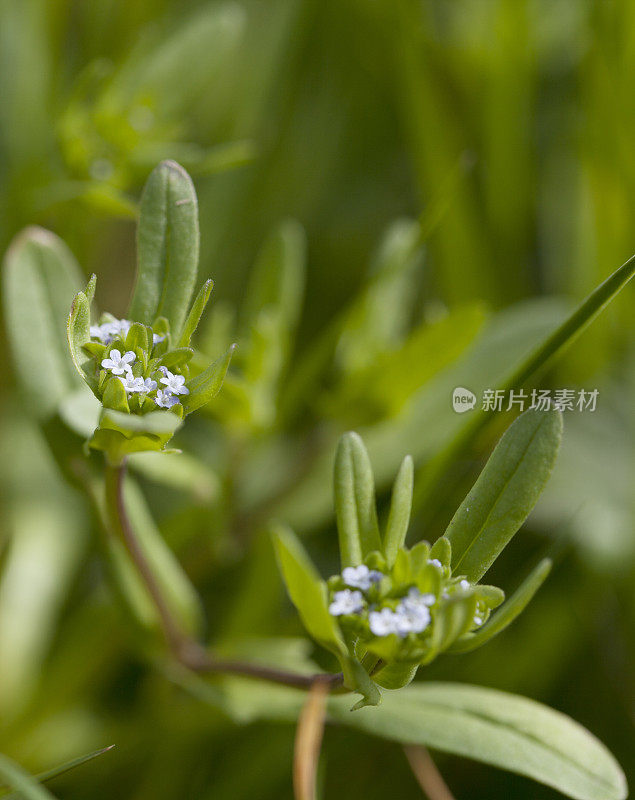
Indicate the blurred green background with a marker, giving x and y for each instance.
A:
(449, 178)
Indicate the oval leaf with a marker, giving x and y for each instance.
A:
(505, 492)
(497, 728)
(167, 247)
(354, 488)
(40, 277)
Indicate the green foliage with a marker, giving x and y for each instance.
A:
(40, 278)
(497, 728)
(354, 491)
(167, 248)
(17, 778)
(505, 492)
(127, 372)
(461, 191)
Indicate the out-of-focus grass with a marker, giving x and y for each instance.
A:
(345, 117)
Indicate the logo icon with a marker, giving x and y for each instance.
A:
(463, 400)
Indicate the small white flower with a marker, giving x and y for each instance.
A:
(382, 623)
(132, 384)
(361, 577)
(464, 585)
(411, 618)
(117, 363)
(165, 400)
(346, 602)
(478, 620)
(415, 599)
(156, 338)
(149, 385)
(107, 332)
(174, 383)
(120, 327)
(435, 563)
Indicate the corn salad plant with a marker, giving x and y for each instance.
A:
(110, 407)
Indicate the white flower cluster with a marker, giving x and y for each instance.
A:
(117, 327)
(412, 614)
(121, 366)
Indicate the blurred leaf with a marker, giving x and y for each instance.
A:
(176, 70)
(394, 376)
(158, 422)
(182, 597)
(505, 492)
(425, 425)
(167, 248)
(532, 363)
(508, 612)
(63, 768)
(277, 279)
(40, 278)
(178, 471)
(19, 779)
(355, 510)
(504, 730)
(378, 318)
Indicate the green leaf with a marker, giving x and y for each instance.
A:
(400, 507)
(277, 280)
(574, 325)
(62, 769)
(207, 385)
(181, 596)
(496, 728)
(505, 492)
(507, 613)
(78, 332)
(156, 422)
(196, 312)
(176, 357)
(19, 779)
(527, 367)
(395, 675)
(307, 590)
(167, 248)
(356, 678)
(355, 509)
(452, 620)
(137, 337)
(442, 550)
(114, 396)
(40, 277)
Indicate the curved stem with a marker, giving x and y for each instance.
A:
(186, 650)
